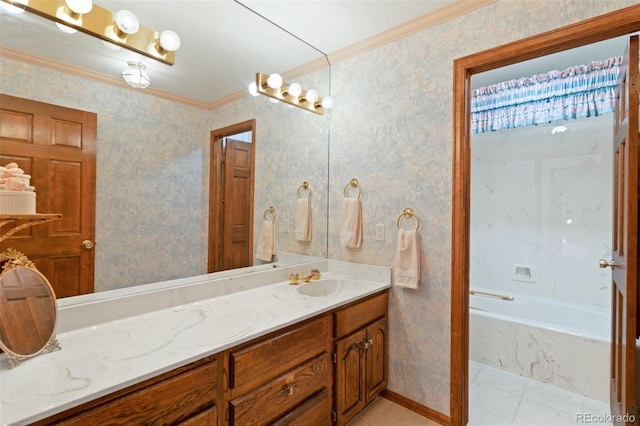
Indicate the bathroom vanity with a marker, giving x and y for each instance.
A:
(249, 349)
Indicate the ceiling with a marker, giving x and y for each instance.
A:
(225, 42)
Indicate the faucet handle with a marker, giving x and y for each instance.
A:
(315, 274)
(294, 279)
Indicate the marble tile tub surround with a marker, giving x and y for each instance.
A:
(185, 323)
(543, 201)
(576, 363)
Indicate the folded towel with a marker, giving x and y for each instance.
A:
(407, 267)
(303, 219)
(267, 241)
(351, 228)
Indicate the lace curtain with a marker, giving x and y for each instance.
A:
(578, 91)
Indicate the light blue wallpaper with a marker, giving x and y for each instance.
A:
(391, 128)
(153, 171)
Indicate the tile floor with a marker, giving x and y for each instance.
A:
(498, 398)
(383, 412)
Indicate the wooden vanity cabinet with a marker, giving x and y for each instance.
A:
(283, 378)
(318, 372)
(184, 396)
(360, 355)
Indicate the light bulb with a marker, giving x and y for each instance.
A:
(327, 102)
(169, 41)
(66, 29)
(253, 89)
(311, 95)
(127, 22)
(294, 90)
(274, 81)
(79, 6)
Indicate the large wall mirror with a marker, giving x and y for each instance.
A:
(153, 153)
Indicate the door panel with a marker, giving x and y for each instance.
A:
(375, 356)
(624, 264)
(237, 250)
(57, 147)
(349, 377)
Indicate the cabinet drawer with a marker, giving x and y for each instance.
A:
(169, 401)
(207, 418)
(356, 316)
(316, 411)
(276, 398)
(261, 362)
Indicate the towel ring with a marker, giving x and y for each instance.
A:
(354, 184)
(304, 187)
(271, 210)
(408, 213)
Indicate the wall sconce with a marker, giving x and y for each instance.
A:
(292, 94)
(136, 76)
(121, 28)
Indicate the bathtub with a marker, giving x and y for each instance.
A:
(565, 345)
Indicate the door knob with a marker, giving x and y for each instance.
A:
(605, 263)
(87, 244)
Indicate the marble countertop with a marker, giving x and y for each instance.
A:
(123, 349)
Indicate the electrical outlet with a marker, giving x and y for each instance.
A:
(380, 232)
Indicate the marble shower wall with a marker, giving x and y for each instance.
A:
(391, 128)
(542, 202)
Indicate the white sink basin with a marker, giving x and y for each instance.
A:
(321, 288)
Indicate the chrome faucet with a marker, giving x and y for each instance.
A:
(297, 279)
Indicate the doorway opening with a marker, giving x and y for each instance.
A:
(615, 24)
(231, 183)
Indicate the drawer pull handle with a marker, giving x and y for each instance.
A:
(287, 391)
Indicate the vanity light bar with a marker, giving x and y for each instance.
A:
(100, 23)
(282, 95)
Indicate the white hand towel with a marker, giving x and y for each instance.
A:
(351, 228)
(303, 219)
(267, 242)
(407, 268)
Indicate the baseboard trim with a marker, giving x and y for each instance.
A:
(429, 413)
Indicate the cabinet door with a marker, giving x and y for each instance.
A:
(376, 358)
(350, 377)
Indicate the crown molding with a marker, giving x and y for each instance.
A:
(438, 16)
(445, 13)
(92, 75)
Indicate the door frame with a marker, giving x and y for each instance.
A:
(216, 191)
(610, 25)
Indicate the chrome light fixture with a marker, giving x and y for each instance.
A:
(292, 94)
(136, 76)
(121, 28)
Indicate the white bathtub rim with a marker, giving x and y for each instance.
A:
(575, 330)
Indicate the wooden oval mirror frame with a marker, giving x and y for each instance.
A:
(28, 311)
